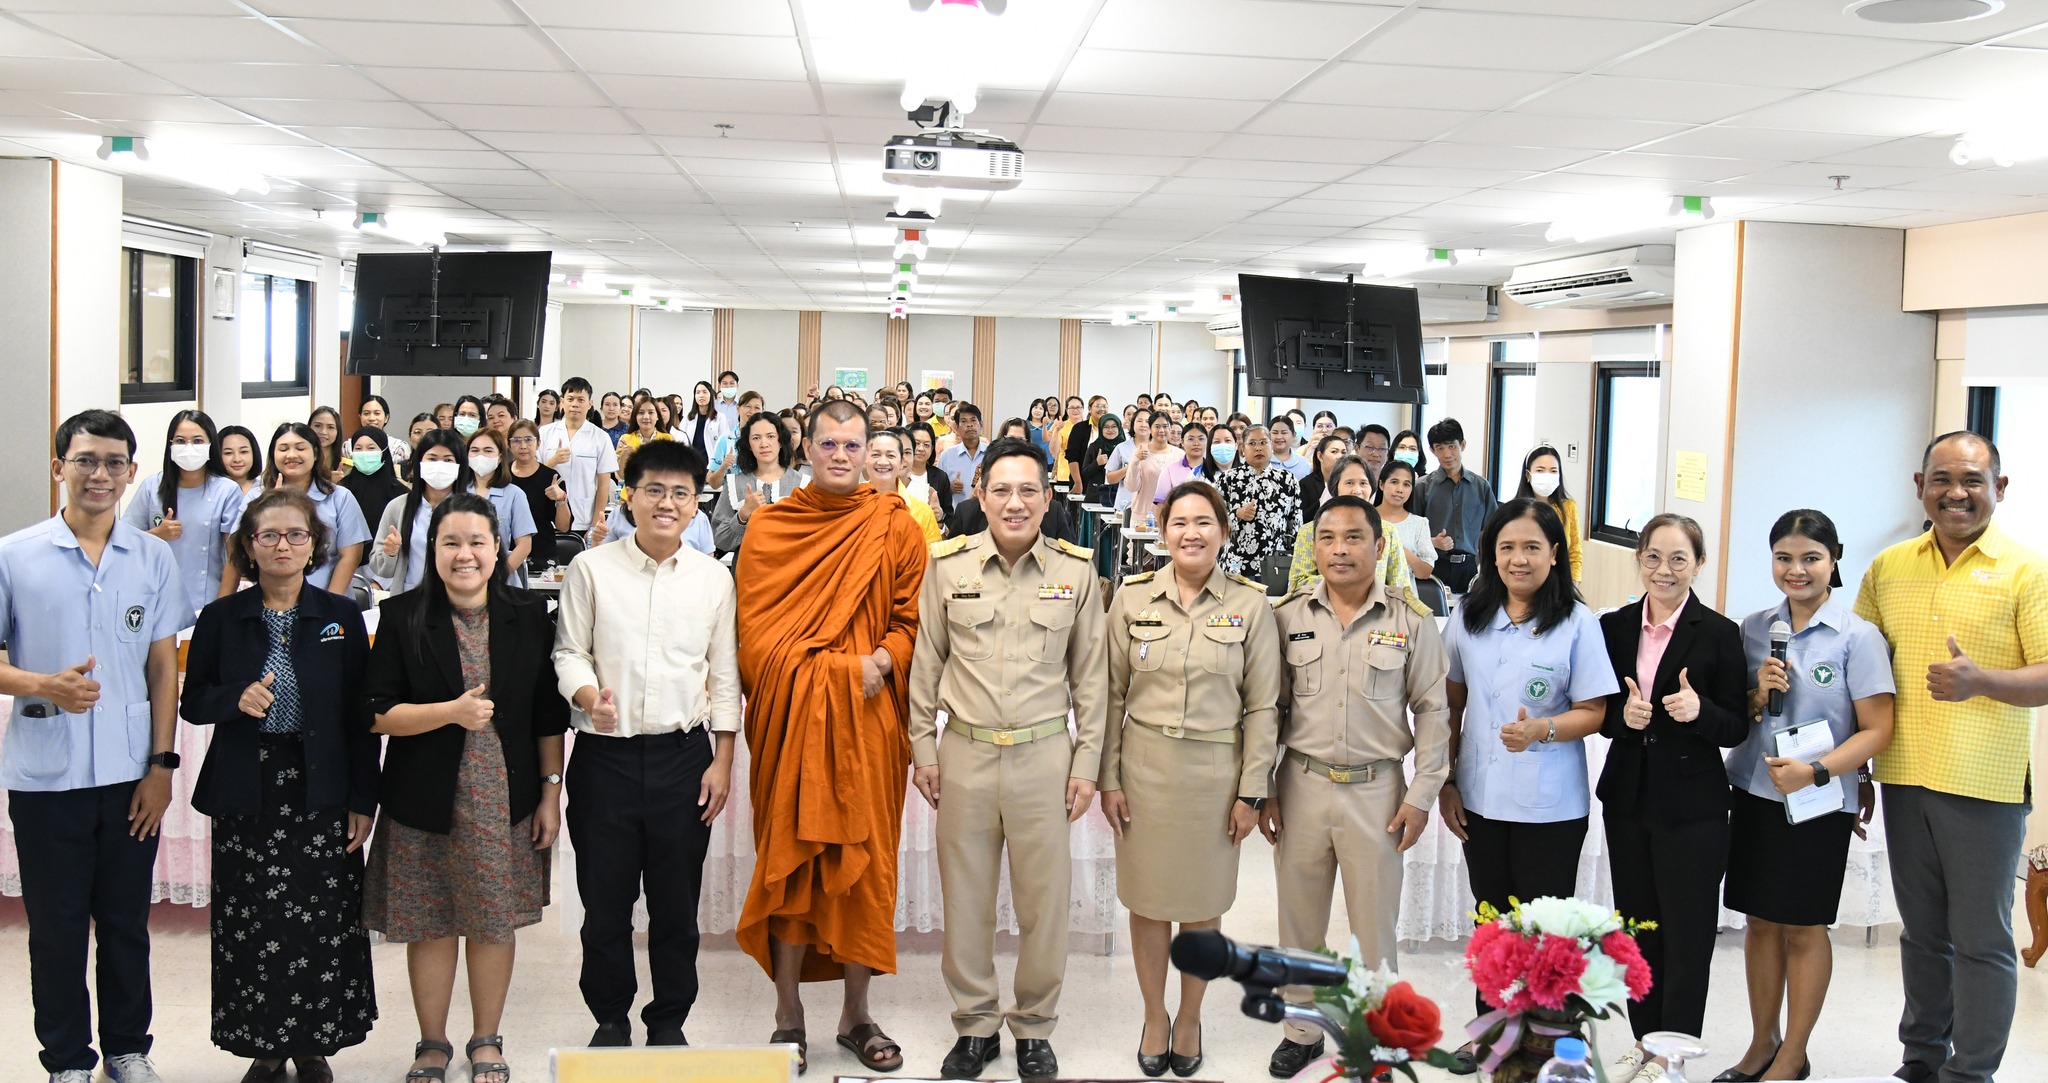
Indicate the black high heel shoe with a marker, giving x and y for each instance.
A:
(1183, 1066)
(1153, 1065)
(1737, 1075)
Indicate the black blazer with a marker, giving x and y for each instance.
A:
(1678, 765)
(419, 771)
(329, 650)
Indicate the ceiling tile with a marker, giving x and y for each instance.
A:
(696, 16)
(531, 118)
(632, 52)
(1463, 39)
(177, 37)
(1588, 133)
(240, 80)
(362, 139)
(1408, 174)
(103, 76)
(1360, 152)
(1270, 28)
(1356, 121)
(721, 95)
(335, 114)
(400, 11)
(1116, 71)
(1409, 86)
(1988, 75)
(1652, 99)
(1491, 156)
(1830, 18)
(1727, 141)
(1672, 167)
(1771, 58)
(1859, 114)
(472, 86)
(1139, 111)
(119, 107)
(429, 45)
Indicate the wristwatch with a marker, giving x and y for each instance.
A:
(1258, 804)
(1820, 773)
(552, 780)
(166, 760)
(1551, 735)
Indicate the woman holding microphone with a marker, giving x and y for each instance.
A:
(1788, 877)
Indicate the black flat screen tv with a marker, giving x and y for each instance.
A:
(448, 314)
(1311, 339)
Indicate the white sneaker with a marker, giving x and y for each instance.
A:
(1627, 1067)
(1652, 1072)
(71, 1075)
(132, 1068)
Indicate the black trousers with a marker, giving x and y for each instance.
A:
(633, 818)
(83, 875)
(1505, 858)
(1670, 873)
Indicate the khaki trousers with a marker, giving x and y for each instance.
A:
(989, 796)
(1328, 828)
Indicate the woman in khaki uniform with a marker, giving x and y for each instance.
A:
(1194, 679)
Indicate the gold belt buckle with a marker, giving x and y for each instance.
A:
(1339, 774)
(1005, 738)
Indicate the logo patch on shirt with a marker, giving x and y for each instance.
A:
(1538, 688)
(133, 618)
(332, 632)
(1297, 637)
(1824, 675)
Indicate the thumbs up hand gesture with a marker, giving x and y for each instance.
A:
(604, 714)
(1956, 679)
(257, 698)
(170, 529)
(391, 542)
(71, 690)
(1523, 731)
(1684, 704)
(1636, 712)
(471, 710)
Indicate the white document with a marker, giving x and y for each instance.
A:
(1807, 742)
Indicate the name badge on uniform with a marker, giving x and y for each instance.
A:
(1396, 640)
(1231, 621)
(1055, 592)
(1297, 637)
(1149, 618)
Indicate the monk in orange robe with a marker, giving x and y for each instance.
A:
(828, 586)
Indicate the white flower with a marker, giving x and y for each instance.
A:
(1604, 983)
(1382, 1055)
(1574, 918)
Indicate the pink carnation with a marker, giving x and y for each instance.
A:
(1498, 958)
(1555, 971)
(1622, 948)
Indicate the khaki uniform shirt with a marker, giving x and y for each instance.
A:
(1214, 666)
(1007, 648)
(1350, 689)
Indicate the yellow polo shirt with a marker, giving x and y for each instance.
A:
(1994, 600)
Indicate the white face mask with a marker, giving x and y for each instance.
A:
(1544, 484)
(190, 456)
(439, 474)
(483, 465)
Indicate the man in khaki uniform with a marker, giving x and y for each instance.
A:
(1360, 657)
(1010, 638)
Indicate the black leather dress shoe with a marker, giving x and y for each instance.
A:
(1292, 1057)
(1914, 1071)
(609, 1035)
(1186, 1066)
(1154, 1064)
(1035, 1060)
(969, 1056)
(666, 1036)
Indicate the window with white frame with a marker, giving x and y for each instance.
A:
(1627, 402)
(276, 334)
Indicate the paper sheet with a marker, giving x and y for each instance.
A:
(1807, 742)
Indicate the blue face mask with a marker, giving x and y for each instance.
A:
(367, 462)
(1406, 456)
(1224, 454)
(466, 425)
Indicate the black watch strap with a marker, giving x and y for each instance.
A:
(1821, 777)
(1258, 804)
(167, 760)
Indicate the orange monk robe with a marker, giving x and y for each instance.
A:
(823, 581)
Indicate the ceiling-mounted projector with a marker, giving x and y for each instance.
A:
(953, 158)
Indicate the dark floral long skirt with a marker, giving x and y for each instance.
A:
(291, 960)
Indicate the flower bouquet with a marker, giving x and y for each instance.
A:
(1547, 966)
(1386, 1025)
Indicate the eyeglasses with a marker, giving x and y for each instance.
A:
(1676, 562)
(1002, 494)
(90, 465)
(833, 447)
(659, 493)
(524, 441)
(268, 539)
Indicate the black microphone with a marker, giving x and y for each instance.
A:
(1209, 955)
(1781, 637)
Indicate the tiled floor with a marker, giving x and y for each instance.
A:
(1100, 1018)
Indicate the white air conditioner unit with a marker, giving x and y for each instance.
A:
(1229, 330)
(1447, 302)
(1622, 278)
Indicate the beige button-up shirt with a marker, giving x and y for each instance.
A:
(1208, 667)
(660, 635)
(1008, 647)
(1350, 689)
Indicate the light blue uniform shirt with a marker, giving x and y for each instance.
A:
(57, 609)
(515, 521)
(212, 509)
(1837, 659)
(1297, 464)
(697, 532)
(959, 464)
(1504, 669)
(344, 519)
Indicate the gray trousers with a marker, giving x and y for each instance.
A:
(1953, 864)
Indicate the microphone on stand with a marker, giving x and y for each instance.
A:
(1209, 955)
(1781, 638)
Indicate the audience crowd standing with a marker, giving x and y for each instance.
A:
(837, 582)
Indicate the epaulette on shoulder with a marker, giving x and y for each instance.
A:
(1247, 581)
(1072, 550)
(1140, 577)
(1298, 593)
(950, 546)
(1404, 595)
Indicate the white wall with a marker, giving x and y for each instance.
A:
(674, 352)
(1696, 390)
(598, 344)
(89, 288)
(945, 343)
(1116, 362)
(220, 342)
(1027, 365)
(859, 340)
(25, 274)
(764, 354)
(1189, 365)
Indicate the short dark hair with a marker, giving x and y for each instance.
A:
(749, 463)
(1372, 514)
(255, 449)
(575, 383)
(968, 409)
(1280, 420)
(1202, 489)
(1376, 427)
(728, 372)
(1011, 448)
(665, 457)
(379, 400)
(1997, 464)
(1447, 431)
(267, 500)
(836, 410)
(105, 424)
(610, 395)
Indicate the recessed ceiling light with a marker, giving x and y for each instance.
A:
(608, 240)
(1195, 259)
(1921, 12)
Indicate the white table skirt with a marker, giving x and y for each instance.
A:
(1436, 900)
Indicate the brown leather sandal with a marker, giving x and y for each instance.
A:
(794, 1037)
(876, 1051)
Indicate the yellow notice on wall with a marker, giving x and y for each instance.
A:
(1691, 480)
(703, 1064)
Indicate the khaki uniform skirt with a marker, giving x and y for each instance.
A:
(1175, 861)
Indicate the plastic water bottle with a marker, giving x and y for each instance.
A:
(1568, 1064)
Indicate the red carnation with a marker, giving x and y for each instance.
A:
(1555, 971)
(1497, 958)
(1622, 948)
(1406, 1020)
